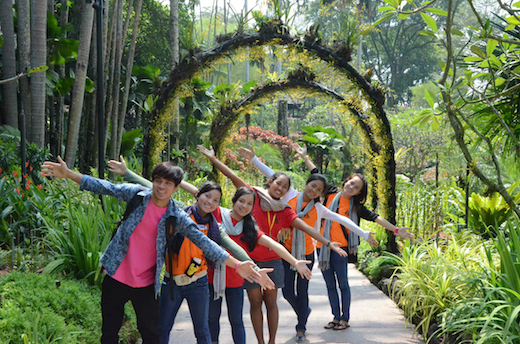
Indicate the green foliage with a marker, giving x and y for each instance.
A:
(492, 316)
(434, 277)
(32, 304)
(321, 142)
(33, 308)
(77, 244)
(129, 140)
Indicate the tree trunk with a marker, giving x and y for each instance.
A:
(282, 126)
(116, 88)
(129, 66)
(36, 127)
(9, 63)
(24, 51)
(174, 41)
(92, 109)
(78, 92)
(60, 116)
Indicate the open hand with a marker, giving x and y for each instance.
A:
(209, 153)
(403, 233)
(336, 247)
(245, 270)
(373, 242)
(300, 151)
(246, 153)
(265, 282)
(118, 167)
(283, 234)
(56, 170)
(303, 269)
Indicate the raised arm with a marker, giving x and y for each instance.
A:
(300, 265)
(302, 152)
(60, 170)
(324, 213)
(301, 225)
(210, 154)
(249, 154)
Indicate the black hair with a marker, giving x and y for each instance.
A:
(361, 197)
(276, 176)
(321, 178)
(207, 187)
(250, 231)
(167, 170)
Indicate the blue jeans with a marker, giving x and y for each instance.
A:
(197, 295)
(297, 294)
(338, 272)
(235, 305)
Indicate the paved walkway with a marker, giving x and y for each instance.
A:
(374, 318)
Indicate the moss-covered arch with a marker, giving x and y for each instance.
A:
(380, 142)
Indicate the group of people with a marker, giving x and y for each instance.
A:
(264, 227)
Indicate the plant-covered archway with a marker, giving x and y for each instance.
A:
(367, 107)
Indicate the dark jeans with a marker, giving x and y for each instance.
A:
(296, 292)
(197, 295)
(338, 272)
(235, 305)
(114, 296)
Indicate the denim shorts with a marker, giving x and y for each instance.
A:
(277, 275)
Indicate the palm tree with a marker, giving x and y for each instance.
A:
(36, 128)
(76, 108)
(9, 63)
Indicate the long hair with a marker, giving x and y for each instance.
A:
(321, 178)
(250, 231)
(361, 197)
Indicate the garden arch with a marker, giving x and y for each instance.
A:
(376, 127)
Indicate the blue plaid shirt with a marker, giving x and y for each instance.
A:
(118, 247)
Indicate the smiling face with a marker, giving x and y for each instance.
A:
(352, 187)
(243, 206)
(313, 189)
(208, 202)
(279, 186)
(162, 190)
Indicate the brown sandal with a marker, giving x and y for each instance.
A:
(331, 325)
(342, 325)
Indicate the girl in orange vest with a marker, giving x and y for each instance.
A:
(272, 215)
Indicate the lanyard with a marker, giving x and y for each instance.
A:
(269, 222)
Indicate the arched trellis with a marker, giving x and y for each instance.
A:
(380, 135)
(230, 114)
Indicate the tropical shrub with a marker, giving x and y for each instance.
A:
(436, 276)
(33, 305)
(492, 315)
(76, 243)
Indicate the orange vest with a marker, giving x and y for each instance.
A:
(310, 219)
(336, 233)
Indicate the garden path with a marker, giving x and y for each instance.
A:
(374, 318)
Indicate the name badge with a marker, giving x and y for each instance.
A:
(202, 227)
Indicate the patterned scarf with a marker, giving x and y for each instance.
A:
(213, 231)
(298, 242)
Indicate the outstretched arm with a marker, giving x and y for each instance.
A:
(210, 154)
(60, 170)
(401, 231)
(325, 213)
(300, 265)
(301, 225)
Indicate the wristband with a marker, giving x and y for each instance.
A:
(236, 267)
(396, 230)
(328, 244)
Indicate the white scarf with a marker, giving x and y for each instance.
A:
(219, 278)
(267, 203)
(298, 242)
